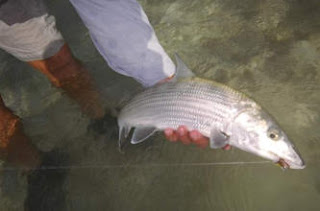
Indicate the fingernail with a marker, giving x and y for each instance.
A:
(182, 130)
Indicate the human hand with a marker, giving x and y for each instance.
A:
(186, 137)
(189, 137)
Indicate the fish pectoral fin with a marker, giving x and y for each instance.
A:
(142, 133)
(218, 139)
(182, 71)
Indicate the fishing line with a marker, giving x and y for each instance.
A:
(152, 165)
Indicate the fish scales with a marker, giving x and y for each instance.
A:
(196, 103)
(223, 114)
(176, 90)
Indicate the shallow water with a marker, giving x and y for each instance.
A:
(268, 49)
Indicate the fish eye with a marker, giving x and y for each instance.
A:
(274, 134)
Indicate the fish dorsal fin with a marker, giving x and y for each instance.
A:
(218, 139)
(182, 70)
(142, 133)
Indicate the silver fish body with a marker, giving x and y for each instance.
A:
(196, 103)
(219, 112)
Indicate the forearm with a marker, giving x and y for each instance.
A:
(121, 32)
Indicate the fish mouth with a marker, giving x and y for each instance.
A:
(286, 164)
(283, 164)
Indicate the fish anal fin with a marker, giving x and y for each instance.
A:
(142, 133)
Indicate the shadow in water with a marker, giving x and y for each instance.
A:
(46, 185)
(106, 124)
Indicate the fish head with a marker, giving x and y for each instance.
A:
(255, 131)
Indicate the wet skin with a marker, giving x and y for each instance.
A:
(188, 137)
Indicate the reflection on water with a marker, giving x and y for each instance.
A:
(267, 49)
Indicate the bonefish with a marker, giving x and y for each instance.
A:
(222, 114)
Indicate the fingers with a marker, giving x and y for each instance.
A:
(182, 134)
(198, 139)
(193, 137)
(226, 147)
(171, 135)
(165, 80)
